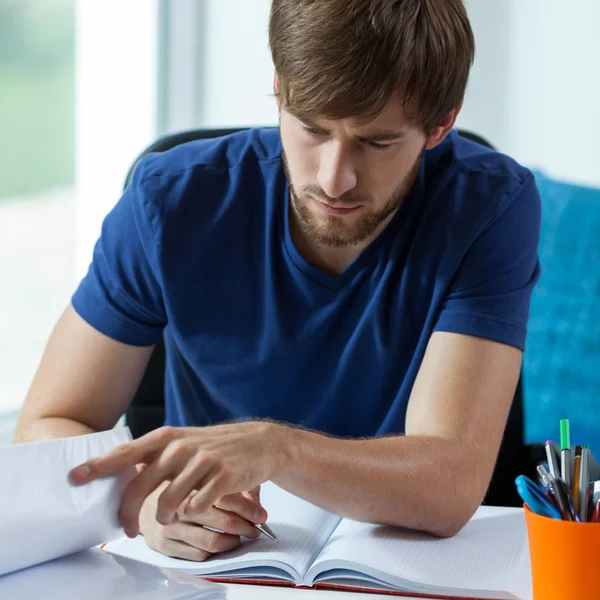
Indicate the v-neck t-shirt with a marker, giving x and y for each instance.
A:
(198, 250)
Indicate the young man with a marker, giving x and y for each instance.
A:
(343, 301)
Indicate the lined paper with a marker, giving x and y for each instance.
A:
(486, 554)
(301, 528)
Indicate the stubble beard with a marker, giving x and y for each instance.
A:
(334, 231)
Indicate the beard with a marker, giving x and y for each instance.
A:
(337, 231)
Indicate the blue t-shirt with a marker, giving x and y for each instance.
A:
(198, 248)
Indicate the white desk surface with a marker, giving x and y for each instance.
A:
(98, 575)
(266, 592)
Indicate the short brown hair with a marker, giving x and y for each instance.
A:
(346, 58)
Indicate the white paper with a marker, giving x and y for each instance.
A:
(97, 575)
(42, 514)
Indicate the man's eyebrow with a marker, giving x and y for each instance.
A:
(380, 136)
(383, 136)
(308, 123)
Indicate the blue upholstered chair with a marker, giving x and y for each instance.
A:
(561, 372)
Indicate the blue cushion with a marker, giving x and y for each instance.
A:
(562, 358)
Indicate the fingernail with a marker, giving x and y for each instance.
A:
(82, 471)
(129, 533)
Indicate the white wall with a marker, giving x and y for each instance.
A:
(116, 91)
(183, 61)
(486, 108)
(555, 95)
(219, 50)
(535, 87)
(238, 68)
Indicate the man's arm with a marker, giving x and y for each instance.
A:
(84, 382)
(435, 476)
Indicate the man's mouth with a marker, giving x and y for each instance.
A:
(334, 210)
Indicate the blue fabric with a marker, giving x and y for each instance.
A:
(200, 244)
(561, 365)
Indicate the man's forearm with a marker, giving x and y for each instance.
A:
(417, 482)
(49, 428)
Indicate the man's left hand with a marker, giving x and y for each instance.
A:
(201, 464)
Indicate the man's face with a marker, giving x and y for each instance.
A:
(347, 178)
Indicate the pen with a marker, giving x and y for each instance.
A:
(262, 528)
(584, 482)
(561, 494)
(542, 473)
(594, 495)
(576, 479)
(565, 452)
(552, 460)
(267, 531)
(596, 514)
(562, 489)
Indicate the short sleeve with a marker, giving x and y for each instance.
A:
(491, 292)
(121, 295)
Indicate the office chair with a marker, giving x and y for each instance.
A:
(146, 411)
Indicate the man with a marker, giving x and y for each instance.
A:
(343, 301)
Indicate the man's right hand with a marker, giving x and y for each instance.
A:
(188, 538)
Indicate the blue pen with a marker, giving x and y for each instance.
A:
(535, 498)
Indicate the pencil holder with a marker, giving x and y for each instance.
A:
(565, 558)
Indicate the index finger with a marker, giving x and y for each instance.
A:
(142, 450)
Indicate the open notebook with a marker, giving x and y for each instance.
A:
(487, 559)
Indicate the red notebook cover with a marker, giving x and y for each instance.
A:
(335, 586)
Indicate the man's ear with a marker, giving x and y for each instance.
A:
(276, 89)
(443, 128)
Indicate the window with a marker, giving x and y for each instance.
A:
(78, 102)
(37, 120)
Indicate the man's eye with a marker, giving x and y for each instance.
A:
(377, 146)
(312, 130)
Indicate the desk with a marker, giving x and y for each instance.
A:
(98, 575)
(265, 592)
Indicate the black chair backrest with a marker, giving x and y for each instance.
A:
(146, 411)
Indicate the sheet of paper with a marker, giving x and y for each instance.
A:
(301, 528)
(97, 575)
(489, 553)
(42, 514)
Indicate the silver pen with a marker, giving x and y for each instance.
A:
(584, 482)
(262, 528)
(560, 492)
(267, 531)
(552, 461)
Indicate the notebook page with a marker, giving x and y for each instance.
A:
(301, 528)
(487, 554)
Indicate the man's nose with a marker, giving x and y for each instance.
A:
(337, 172)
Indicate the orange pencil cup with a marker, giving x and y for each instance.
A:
(565, 558)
